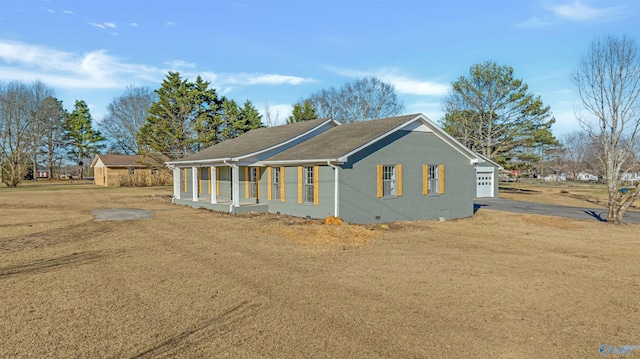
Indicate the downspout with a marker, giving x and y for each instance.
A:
(335, 187)
(234, 189)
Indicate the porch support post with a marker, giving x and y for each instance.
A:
(194, 183)
(236, 185)
(176, 183)
(212, 184)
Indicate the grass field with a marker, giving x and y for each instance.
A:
(197, 284)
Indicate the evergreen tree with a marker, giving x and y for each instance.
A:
(302, 111)
(492, 113)
(82, 139)
(185, 118)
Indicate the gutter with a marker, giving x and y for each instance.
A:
(314, 161)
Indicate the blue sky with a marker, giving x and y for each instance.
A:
(278, 52)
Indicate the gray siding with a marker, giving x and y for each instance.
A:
(291, 206)
(358, 181)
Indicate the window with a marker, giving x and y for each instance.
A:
(253, 182)
(308, 184)
(308, 190)
(389, 181)
(275, 183)
(131, 171)
(434, 187)
(433, 179)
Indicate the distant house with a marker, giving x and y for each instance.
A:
(554, 176)
(630, 176)
(114, 170)
(586, 176)
(400, 168)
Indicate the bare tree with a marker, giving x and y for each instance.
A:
(364, 99)
(271, 117)
(15, 122)
(126, 114)
(53, 139)
(40, 94)
(575, 145)
(608, 81)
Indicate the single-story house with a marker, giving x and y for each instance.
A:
(114, 170)
(400, 168)
(586, 176)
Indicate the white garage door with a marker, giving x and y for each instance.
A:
(484, 184)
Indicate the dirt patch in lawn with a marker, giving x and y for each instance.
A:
(195, 283)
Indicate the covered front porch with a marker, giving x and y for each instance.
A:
(225, 206)
(230, 188)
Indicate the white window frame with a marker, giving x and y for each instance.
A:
(389, 181)
(253, 182)
(308, 190)
(434, 179)
(276, 177)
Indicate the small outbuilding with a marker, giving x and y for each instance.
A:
(125, 170)
(400, 168)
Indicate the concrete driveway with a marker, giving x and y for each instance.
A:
(586, 212)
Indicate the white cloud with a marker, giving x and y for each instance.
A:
(579, 11)
(402, 83)
(410, 86)
(180, 63)
(134, 24)
(573, 11)
(270, 79)
(68, 12)
(170, 23)
(95, 69)
(103, 25)
(235, 79)
(51, 11)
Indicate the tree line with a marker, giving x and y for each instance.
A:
(490, 111)
(178, 119)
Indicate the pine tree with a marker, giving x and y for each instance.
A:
(302, 111)
(82, 139)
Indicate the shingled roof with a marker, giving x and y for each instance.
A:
(120, 160)
(254, 141)
(341, 140)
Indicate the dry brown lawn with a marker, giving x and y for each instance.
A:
(562, 193)
(196, 284)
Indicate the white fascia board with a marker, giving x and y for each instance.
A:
(485, 159)
(287, 141)
(189, 163)
(95, 160)
(294, 162)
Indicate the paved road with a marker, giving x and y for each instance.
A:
(498, 204)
